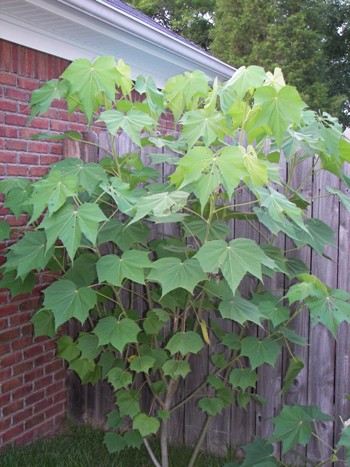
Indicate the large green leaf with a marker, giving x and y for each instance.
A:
(128, 402)
(121, 194)
(119, 378)
(185, 343)
(173, 273)
(240, 310)
(114, 269)
(83, 271)
(184, 91)
(294, 425)
(260, 351)
(123, 235)
(154, 96)
(211, 405)
(67, 349)
(142, 364)
(200, 124)
(295, 366)
(16, 285)
(41, 98)
(245, 79)
(66, 301)
(52, 192)
(114, 442)
(132, 122)
(259, 453)
(194, 227)
(89, 175)
(118, 333)
(330, 309)
(278, 109)
(235, 259)
(318, 235)
(17, 197)
(44, 323)
(161, 205)
(70, 222)
(145, 424)
(176, 368)
(155, 321)
(29, 253)
(88, 80)
(243, 378)
(88, 345)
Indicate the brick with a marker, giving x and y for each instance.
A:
(33, 375)
(17, 170)
(41, 123)
(57, 125)
(43, 405)
(5, 399)
(8, 132)
(23, 108)
(22, 415)
(22, 343)
(16, 120)
(5, 423)
(55, 387)
(48, 159)
(34, 421)
(60, 396)
(33, 351)
(34, 397)
(37, 171)
(22, 367)
(8, 106)
(18, 94)
(20, 318)
(12, 408)
(11, 359)
(44, 382)
(8, 309)
(56, 149)
(22, 392)
(8, 157)
(9, 335)
(8, 78)
(5, 373)
(30, 159)
(53, 366)
(11, 384)
(28, 83)
(4, 348)
(3, 323)
(16, 145)
(13, 432)
(38, 146)
(54, 410)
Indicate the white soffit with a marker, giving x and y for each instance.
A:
(89, 28)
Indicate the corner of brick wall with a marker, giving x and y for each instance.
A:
(33, 394)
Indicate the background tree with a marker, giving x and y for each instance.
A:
(308, 39)
(192, 19)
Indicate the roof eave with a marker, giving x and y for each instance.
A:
(108, 14)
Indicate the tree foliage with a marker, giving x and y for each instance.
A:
(308, 39)
(90, 224)
(191, 18)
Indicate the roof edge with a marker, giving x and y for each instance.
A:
(101, 11)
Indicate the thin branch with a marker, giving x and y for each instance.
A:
(151, 453)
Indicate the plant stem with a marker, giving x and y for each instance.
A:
(200, 441)
(151, 453)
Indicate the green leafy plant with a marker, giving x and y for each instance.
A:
(149, 303)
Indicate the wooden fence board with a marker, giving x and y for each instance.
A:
(326, 376)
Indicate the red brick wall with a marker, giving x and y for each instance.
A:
(32, 382)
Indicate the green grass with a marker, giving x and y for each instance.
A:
(82, 446)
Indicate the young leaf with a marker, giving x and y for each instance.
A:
(88, 345)
(155, 321)
(128, 402)
(211, 405)
(173, 273)
(259, 453)
(185, 343)
(330, 309)
(44, 323)
(66, 301)
(28, 254)
(142, 364)
(240, 310)
(67, 349)
(278, 109)
(245, 79)
(114, 269)
(41, 98)
(119, 378)
(176, 368)
(118, 333)
(114, 442)
(243, 378)
(133, 439)
(200, 123)
(145, 424)
(132, 122)
(88, 80)
(260, 351)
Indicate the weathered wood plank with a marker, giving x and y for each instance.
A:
(322, 355)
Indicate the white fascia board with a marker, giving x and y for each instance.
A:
(134, 26)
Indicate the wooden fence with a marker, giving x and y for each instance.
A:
(325, 379)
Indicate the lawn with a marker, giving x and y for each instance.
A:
(82, 446)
